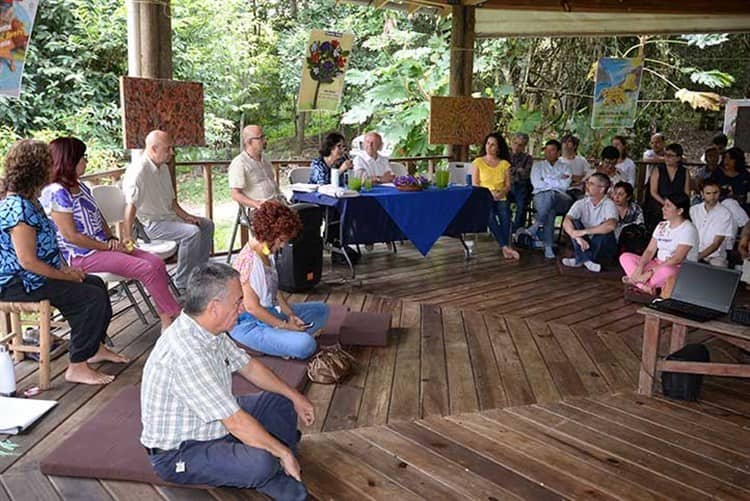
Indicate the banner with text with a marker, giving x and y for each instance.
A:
(16, 23)
(618, 81)
(323, 70)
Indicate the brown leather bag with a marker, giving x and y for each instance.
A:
(331, 365)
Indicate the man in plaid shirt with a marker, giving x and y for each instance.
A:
(194, 430)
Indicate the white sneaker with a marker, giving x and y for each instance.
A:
(571, 262)
(592, 266)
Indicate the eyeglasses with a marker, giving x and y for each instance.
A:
(262, 137)
(670, 154)
(341, 146)
(591, 183)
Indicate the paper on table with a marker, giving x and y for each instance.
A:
(388, 184)
(304, 187)
(20, 413)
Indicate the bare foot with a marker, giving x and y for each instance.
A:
(510, 253)
(82, 373)
(626, 280)
(105, 355)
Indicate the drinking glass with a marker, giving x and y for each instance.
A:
(441, 178)
(355, 183)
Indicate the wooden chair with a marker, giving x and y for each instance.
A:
(12, 330)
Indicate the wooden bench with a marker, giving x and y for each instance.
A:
(735, 334)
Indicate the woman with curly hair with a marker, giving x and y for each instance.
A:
(84, 235)
(269, 324)
(31, 270)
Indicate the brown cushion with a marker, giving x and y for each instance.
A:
(330, 333)
(365, 329)
(107, 445)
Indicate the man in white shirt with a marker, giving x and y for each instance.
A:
(591, 224)
(149, 192)
(251, 176)
(715, 226)
(550, 180)
(655, 155)
(579, 166)
(370, 163)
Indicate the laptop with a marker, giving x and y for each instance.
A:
(701, 292)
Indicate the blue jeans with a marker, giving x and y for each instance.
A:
(548, 205)
(227, 462)
(499, 222)
(520, 191)
(601, 247)
(281, 342)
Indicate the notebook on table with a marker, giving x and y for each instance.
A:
(20, 413)
(701, 292)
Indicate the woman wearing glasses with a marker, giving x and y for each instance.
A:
(668, 178)
(333, 155)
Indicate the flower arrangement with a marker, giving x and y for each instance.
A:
(325, 62)
(411, 183)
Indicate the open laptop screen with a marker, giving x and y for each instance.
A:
(706, 286)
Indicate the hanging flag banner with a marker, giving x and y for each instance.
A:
(618, 81)
(323, 71)
(16, 22)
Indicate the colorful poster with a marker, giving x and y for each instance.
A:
(618, 81)
(16, 23)
(323, 71)
(168, 105)
(730, 115)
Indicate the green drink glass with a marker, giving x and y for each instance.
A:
(355, 183)
(367, 184)
(441, 178)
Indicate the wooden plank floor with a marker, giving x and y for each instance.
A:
(468, 338)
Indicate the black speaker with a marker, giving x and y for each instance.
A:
(681, 385)
(300, 262)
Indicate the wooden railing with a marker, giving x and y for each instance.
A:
(207, 166)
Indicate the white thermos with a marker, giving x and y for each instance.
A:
(7, 374)
(335, 177)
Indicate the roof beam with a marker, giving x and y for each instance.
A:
(620, 6)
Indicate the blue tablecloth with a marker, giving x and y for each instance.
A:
(385, 214)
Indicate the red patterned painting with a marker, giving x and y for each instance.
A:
(460, 120)
(169, 105)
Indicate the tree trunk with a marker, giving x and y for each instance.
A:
(300, 140)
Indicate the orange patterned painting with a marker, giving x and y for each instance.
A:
(460, 120)
(169, 105)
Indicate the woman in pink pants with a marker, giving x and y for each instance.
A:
(674, 240)
(85, 238)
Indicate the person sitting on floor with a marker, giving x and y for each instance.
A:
(674, 240)
(550, 179)
(630, 231)
(715, 226)
(84, 236)
(369, 162)
(591, 223)
(733, 176)
(268, 323)
(194, 430)
(31, 269)
(148, 189)
(492, 171)
(332, 156)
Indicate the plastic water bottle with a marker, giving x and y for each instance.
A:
(7, 374)
(468, 179)
(335, 177)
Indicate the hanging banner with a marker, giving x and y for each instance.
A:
(618, 81)
(323, 71)
(16, 22)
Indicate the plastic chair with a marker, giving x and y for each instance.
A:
(399, 169)
(244, 218)
(300, 175)
(111, 202)
(458, 172)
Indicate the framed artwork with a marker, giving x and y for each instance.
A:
(460, 120)
(168, 105)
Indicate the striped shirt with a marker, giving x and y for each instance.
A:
(187, 385)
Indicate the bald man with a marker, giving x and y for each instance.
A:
(371, 163)
(251, 176)
(151, 197)
(655, 155)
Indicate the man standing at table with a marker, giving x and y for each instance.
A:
(150, 196)
(370, 163)
(251, 176)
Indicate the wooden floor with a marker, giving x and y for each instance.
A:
(498, 382)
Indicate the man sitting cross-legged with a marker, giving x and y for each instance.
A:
(591, 223)
(194, 430)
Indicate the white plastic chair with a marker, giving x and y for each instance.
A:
(300, 175)
(399, 169)
(111, 202)
(458, 171)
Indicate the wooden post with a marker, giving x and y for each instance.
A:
(462, 64)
